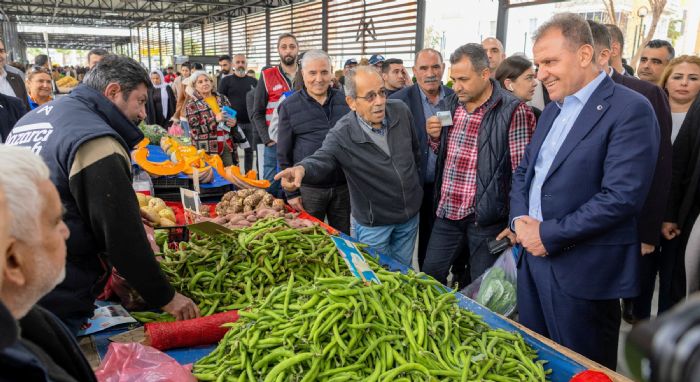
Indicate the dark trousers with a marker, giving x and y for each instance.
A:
(664, 261)
(446, 243)
(332, 202)
(588, 327)
(249, 153)
(427, 219)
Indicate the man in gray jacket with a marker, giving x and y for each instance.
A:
(377, 148)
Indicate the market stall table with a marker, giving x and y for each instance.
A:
(563, 362)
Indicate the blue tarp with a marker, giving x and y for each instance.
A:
(156, 154)
(563, 368)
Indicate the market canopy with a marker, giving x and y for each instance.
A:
(128, 13)
(71, 41)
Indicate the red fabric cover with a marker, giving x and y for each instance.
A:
(180, 212)
(188, 333)
(591, 376)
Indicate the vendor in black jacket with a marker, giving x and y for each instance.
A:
(34, 344)
(85, 138)
(305, 118)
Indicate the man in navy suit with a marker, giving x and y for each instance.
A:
(577, 193)
(425, 98)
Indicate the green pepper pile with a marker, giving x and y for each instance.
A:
(228, 272)
(337, 329)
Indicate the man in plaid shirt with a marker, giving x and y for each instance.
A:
(476, 157)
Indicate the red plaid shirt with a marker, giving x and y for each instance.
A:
(459, 172)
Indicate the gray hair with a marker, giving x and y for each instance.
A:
(350, 86)
(20, 173)
(190, 81)
(117, 69)
(475, 53)
(315, 54)
(573, 27)
(427, 50)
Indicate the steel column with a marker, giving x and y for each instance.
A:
(324, 25)
(502, 21)
(420, 25)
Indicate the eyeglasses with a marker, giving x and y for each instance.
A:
(373, 95)
(38, 69)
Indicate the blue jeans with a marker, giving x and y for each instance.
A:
(270, 169)
(396, 240)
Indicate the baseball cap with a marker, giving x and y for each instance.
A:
(376, 59)
(350, 61)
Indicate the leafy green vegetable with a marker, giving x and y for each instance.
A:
(497, 292)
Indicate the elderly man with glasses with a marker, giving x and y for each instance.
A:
(375, 141)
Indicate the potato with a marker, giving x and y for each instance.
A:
(151, 215)
(156, 204)
(228, 196)
(252, 201)
(244, 193)
(143, 202)
(166, 222)
(167, 213)
(278, 204)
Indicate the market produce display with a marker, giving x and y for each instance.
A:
(230, 272)
(66, 84)
(247, 200)
(312, 321)
(156, 211)
(336, 328)
(154, 133)
(187, 159)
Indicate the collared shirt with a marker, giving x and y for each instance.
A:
(5, 87)
(378, 136)
(570, 110)
(430, 110)
(460, 170)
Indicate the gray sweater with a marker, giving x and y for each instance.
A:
(384, 189)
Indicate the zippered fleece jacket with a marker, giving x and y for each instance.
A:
(384, 189)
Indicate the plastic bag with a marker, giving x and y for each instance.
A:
(496, 288)
(134, 362)
(175, 130)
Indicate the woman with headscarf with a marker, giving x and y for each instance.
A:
(210, 127)
(160, 106)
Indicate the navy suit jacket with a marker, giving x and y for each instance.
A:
(411, 96)
(655, 207)
(593, 192)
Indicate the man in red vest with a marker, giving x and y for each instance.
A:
(273, 83)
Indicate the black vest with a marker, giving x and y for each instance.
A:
(494, 170)
(56, 131)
